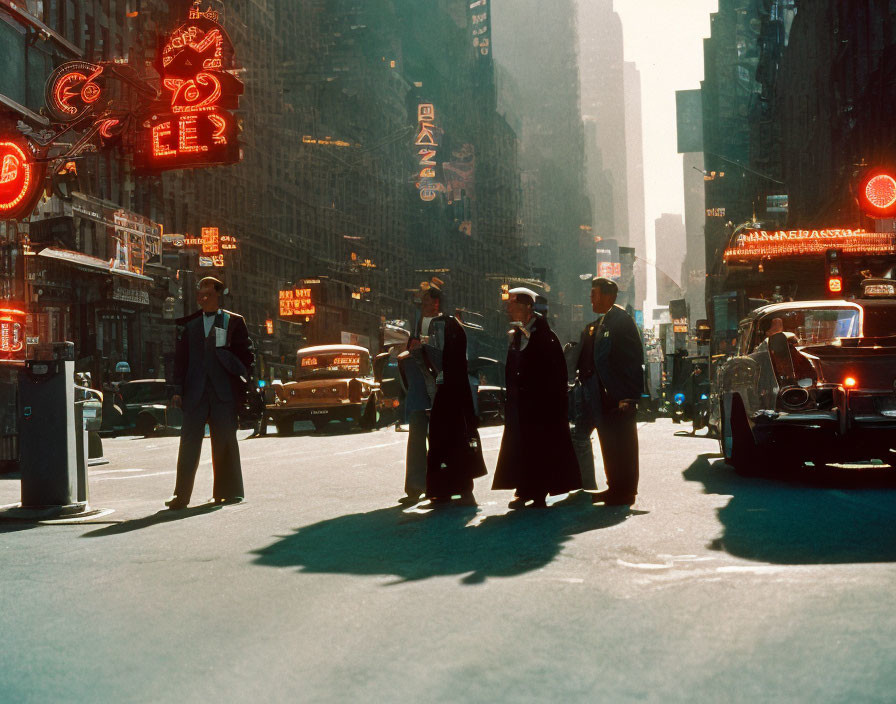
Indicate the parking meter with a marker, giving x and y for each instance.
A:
(51, 437)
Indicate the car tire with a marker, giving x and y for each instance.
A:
(145, 425)
(284, 425)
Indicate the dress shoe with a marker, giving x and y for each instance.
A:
(517, 502)
(229, 500)
(175, 503)
(410, 499)
(610, 498)
(438, 501)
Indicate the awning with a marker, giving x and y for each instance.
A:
(79, 259)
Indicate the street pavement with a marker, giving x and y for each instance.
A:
(320, 588)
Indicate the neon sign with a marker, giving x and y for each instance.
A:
(211, 243)
(12, 335)
(297, 302)
(427, 186)
(764, 244)
(20, 178)
(877, 194)
(192, 125)
(74, 90)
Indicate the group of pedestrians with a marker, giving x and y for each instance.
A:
(539, 456)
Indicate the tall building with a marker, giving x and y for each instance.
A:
(671, 243)
(604, 99)
(690, 145)
(634, 150)
(536, 48)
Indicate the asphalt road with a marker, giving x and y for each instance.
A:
(319, 588)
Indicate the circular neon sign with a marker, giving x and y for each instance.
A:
(880, 191)
(19, 179)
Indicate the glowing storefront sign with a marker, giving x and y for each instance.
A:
(297, 302)
(20, 178)
(74, 90)
(766, 244)
(12, 335)
(210, 240)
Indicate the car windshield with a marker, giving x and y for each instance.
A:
(153, 392)
(332, 365)
(812, 326)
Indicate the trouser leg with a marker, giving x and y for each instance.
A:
(618, 435)
(415, 466)
(581, 442)
(191, 433)
(223, 424)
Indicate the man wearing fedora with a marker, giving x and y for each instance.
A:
(212, 367)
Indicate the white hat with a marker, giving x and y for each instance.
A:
(527, 292)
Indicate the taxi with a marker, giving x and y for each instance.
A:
(811, 381)
(331, 383)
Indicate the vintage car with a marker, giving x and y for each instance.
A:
(812, 381)
(331, 382)
(141, 407)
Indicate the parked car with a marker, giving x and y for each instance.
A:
(332, 382)
(491, 395)
(811, 381)
(141, 407)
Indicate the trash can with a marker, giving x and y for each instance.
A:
(52, 441)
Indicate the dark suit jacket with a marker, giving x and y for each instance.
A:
(198, 362)
(618, 360)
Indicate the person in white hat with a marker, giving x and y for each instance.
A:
(537, 456)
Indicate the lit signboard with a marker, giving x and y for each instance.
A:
(680, 325)
(297, 302)
(877, 194)
(427, 186)
(74, 90)
(768, 244)
(609, 265)
(21, 178)
(479, 21)
(192, 126)
(12, 335)
(211, 243)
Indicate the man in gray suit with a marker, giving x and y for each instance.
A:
(212, 366)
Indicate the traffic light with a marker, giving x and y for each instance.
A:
(877, 194)
(833, 269)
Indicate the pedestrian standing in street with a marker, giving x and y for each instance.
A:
(212, 366)
(420, 386)
(610, 383)
(454, 458)
(536, 457)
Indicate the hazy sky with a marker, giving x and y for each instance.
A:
(665, 39)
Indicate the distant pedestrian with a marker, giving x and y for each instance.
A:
(611, 381)
(536, 457)
(212, 366)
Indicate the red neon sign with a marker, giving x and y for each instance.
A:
(20, 179)
(73, 90)
(12, 335)
(299, 301)
(764, 244)
(877, 194)
(835, 284)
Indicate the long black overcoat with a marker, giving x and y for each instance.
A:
(455, 451)
(537, 456)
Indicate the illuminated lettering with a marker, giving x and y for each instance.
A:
(427, 157)
(10, 169)
(106, 127)
(188, 141)
(220, 126)
(425, 135)
(17, 182)
(210, 242)
(159, 132)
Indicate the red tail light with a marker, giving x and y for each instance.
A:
(850, 382)
(835, 284)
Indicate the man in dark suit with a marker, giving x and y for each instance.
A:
(212, 366)
(610, 383)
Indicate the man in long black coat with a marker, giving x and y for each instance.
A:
(537, 456)
(212, 364)
(454, 458)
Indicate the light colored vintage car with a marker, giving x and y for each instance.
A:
(332, 382)
(811, 381)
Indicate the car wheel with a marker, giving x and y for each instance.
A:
(284, 426)
(743, 455)
(320, 424)
(145, 425)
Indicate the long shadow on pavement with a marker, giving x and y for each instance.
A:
(163, 516)
(415, 546)
(807, 518)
